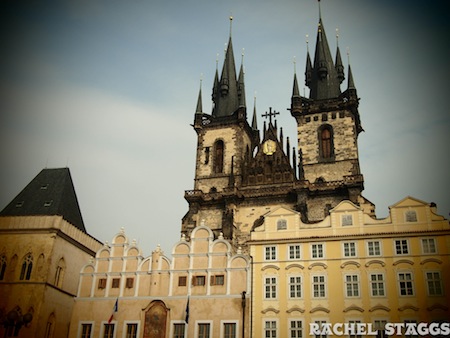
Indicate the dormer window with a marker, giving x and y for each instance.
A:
(347, 220)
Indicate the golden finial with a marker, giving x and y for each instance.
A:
(231, 21)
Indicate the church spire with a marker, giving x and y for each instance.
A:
(227, 98)
(339, 66)
(241, 85)
(295, 90)
(199, 109)
(324, 82)
(254, 122)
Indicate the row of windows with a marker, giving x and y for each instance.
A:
(26, 268)
(349, 249)
(352, 285)
(298, 329)
(178, 330)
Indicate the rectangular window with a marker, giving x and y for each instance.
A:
(318, 283)
(429, 246)
(203, 330)
(281, 224)
(198, 280)
(178, 330)
(86, 330)
(295, 287)
(229, 330)
(115, 283)
(352, 285)
(131, 330)
(270, 288)
(434, 283)
(271, 253)
(321, 323)
(350, 249)
(373, 248)
(353, 333)
(108, 331)
(218, 280)
(295, 329)
(377, 284)
(317, 250)
(182, 281)
(405, 284)
(294, 251)
(401, 247)
(270, 329)
(102, 283)
(129, 282)
(347, 220)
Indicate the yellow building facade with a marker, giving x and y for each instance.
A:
(350, 268)
(202, 291)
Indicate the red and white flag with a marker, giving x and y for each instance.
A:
(115, 309)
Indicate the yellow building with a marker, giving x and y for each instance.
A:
(201, 292)
(43, 246)
(350, 267)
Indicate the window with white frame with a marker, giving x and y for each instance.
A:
(229, 330)
(347, 219)
(321, 324)
(295, 328)
(401, 246)
(295, 286)
(374, 248)
(108, 330)
(377, 285)
(270, 253)
(349, 249)
(294, 251)
(317, 250)
(319, 286)
(86, 330)
(178, 330)
(131, 330)
(281, 224)
(203, 330)
(270, 329)
(411, 216)
(270, 287)
(352, 285)
(434, 283)
(405, 284)
(428, 246)
(353, 331)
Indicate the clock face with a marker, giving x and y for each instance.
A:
(269, 147)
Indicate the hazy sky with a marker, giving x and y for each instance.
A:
(109, 89)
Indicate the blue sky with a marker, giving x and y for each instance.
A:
(109, 89)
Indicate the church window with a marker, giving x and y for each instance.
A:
(59, 275)
(281, 224)
(411, 216)
(2, 267)
(27, 267)
(206, 155)
(218, 156)
(326, 142)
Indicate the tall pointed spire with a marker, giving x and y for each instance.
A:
(227, 98)
(254, 121)
(241, 85)
(295, 90)
(199, 109)
(339, 66)
(324, 82)
(308, 70)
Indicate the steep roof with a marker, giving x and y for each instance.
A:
(50, 193)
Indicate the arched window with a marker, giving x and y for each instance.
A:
(326, 142)
(218, 157)
(2, 267)
(59, 275)
(27, 266)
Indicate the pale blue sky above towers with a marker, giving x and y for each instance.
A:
(109, 89)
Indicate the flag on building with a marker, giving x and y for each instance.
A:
(187, 312)
(115, 309)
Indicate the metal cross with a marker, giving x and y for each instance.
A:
(270, 114)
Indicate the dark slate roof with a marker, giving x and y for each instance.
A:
(50, 193)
